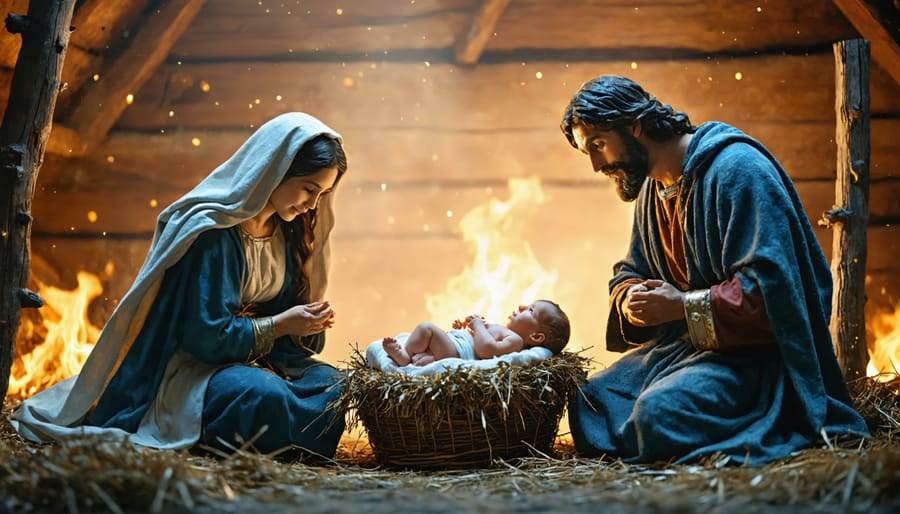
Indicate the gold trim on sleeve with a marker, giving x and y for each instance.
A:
(264, 335)
(698, 313)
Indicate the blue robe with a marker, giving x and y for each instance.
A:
(664, 400)
(195, 311)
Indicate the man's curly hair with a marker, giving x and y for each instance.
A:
(611, 102)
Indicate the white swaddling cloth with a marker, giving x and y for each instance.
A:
(377, 358)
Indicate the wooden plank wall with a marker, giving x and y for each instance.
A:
(428, 141)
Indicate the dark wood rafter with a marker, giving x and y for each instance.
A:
(885, 47)
(65, 141)
(23, 137)
(93, 24)
(472, 42)
(105, 100)
(849, 218)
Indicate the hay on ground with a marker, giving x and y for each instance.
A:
(91, 475)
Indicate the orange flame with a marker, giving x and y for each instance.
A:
(505, 272)
(70, 337)
(884, 362)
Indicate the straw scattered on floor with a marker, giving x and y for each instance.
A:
(87, 474)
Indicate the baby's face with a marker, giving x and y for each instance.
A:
(524, 320)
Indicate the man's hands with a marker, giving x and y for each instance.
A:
(304, 320)
(653, 302)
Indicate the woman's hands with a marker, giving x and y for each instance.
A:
(304, 320)
(653, 302)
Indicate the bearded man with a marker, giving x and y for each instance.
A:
(722, 301)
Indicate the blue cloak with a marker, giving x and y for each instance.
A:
(663, 400)
(195, 312)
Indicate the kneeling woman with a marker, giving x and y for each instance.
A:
(213, 342)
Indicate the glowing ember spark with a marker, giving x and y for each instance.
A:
(505, 272)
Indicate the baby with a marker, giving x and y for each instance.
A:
(542, 323)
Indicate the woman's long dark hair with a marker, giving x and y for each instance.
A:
(611, 102)
(315, 155)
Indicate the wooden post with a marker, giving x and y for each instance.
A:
(850, 215)
(23, 137)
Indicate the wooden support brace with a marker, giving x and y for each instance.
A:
(849, 218)
(472, 43)
(23, 137)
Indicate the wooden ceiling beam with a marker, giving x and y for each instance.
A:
(92, 22)
(885, 48)
(106, 99)
(470, 45)
(98, 22)
(64, 141)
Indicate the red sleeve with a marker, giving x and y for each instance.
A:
(739, 317)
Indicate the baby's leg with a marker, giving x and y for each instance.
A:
(430, 338)
(396, 350)
(421, 359)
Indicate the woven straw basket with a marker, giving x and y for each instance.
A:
(464, 417)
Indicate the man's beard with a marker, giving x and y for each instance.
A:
(635, 169)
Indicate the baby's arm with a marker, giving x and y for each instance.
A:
(461, 324)
(488, 344)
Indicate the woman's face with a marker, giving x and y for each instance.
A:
(296, 195)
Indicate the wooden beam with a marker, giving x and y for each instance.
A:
(885, 48)
(593, 27)
(805, 149)
(99, 22)
(470, 45)
(782, 87)
(23, 136)
(102, 31)
(105, 100)
(64, 141)
(850, 215)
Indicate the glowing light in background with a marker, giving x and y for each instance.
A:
(884, 364)
(504, 272)
(69, 339)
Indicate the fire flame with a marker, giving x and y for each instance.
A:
(505, 272)
(884, 362)
(68, 341)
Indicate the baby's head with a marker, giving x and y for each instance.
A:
(554, 324)
(542, 323)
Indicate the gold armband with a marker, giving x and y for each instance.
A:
(264, 335)
(698, 313)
